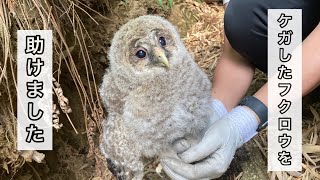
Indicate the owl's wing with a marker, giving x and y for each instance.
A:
(112, 97)
(122, 157)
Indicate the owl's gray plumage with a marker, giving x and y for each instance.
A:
(150, 102)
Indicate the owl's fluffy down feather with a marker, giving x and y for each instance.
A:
(147, 111)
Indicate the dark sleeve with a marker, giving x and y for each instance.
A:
(246, 25)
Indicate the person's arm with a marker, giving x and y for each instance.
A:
(232, 77)
(311, 62)
(310, 67)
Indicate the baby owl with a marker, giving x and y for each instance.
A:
(154, 94)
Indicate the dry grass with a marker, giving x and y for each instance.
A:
(205, 37)
(70, 21)
(69, 32)
(310, 147)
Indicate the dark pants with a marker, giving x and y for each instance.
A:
(246, 25)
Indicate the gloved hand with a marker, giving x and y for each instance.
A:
(216, 149)
(218, 111)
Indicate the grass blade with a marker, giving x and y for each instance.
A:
(170, 3)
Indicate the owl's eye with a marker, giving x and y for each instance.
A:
(162, 41)
(141, 54)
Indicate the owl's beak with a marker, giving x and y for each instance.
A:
(161, 57)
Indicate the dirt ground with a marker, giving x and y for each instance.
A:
(76, 156)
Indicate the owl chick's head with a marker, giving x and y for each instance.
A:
(147, 44)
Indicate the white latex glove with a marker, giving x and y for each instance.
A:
(215, 152)
(225, 2)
